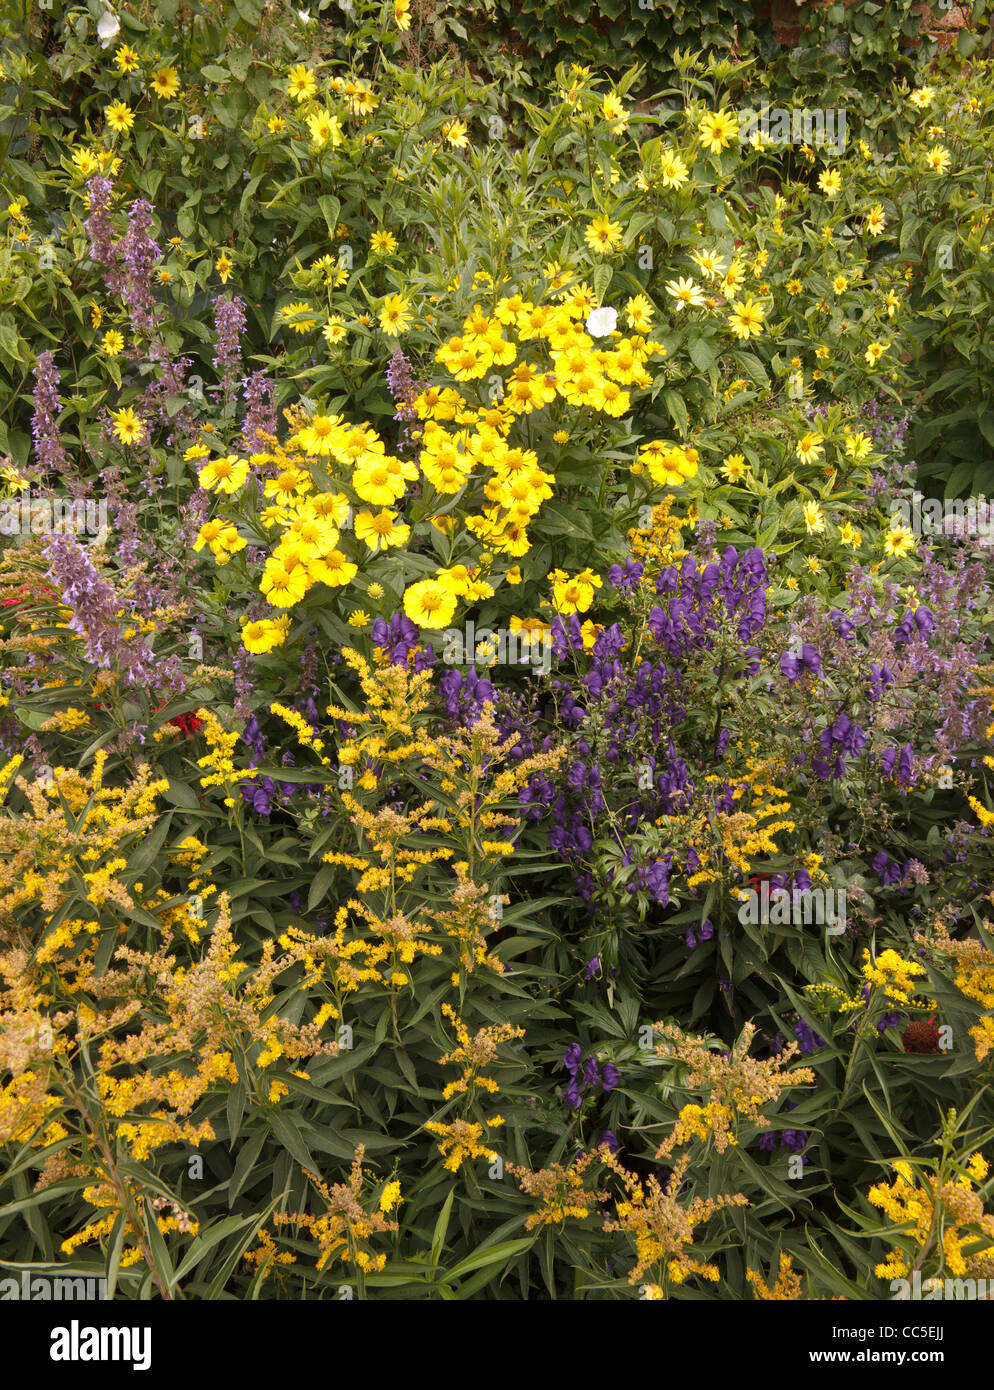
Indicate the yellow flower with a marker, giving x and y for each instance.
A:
(810, 447)
(614, 112)
(875, 220)
(301, 83)
(282, 586)
(226, 474)
(814, 517)
(126, 59)
(381, 531)
(874, 352)
(938, 159)
(113, 342)
(325, 129)
(734, 467)
(429, 604)
(264, 635)
(383, 243)
(574, 594)
(603, 235)
(639, 313)
(898, 541)
(746, 320)
(127, 426)
(224, 266)
(390, 1196)
(290, 311)
(165, 82)
(672, 170)
(717, 130)
(85, 161)
(395, 315)
(401, 14)
(119, 116)
(686, 293)
(456, 132)
(830, 182)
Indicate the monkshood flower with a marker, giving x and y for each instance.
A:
(628, 577)
(880, 678)
(399, 638)
(844, 626)
(706, 933)
(922, 620)
(592, 968)
(586, 1075)
(887, 870)
(808, 660)
(898, 763)
(889, 1020)
(794, 1139)
(807, 1037)
(464, 694)
(734, 587)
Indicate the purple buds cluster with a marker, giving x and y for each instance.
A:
(585, 1075)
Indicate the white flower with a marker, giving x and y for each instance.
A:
(600, 322)
(108, 28)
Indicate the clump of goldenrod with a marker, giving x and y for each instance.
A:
(661, 1226)
(788, 1287)
(475, 1053)
(560, 1190)
(66, 844)
(735, 1085)
(349, 1220)
(945, 1220)
(973, 966)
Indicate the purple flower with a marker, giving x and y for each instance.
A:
(807, 1037)
(592, 968)
(94, 619)
(610, 1076)
(229, 324)
(573, 1057)
(44, 422)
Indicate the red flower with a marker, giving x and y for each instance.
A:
(190, 724)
